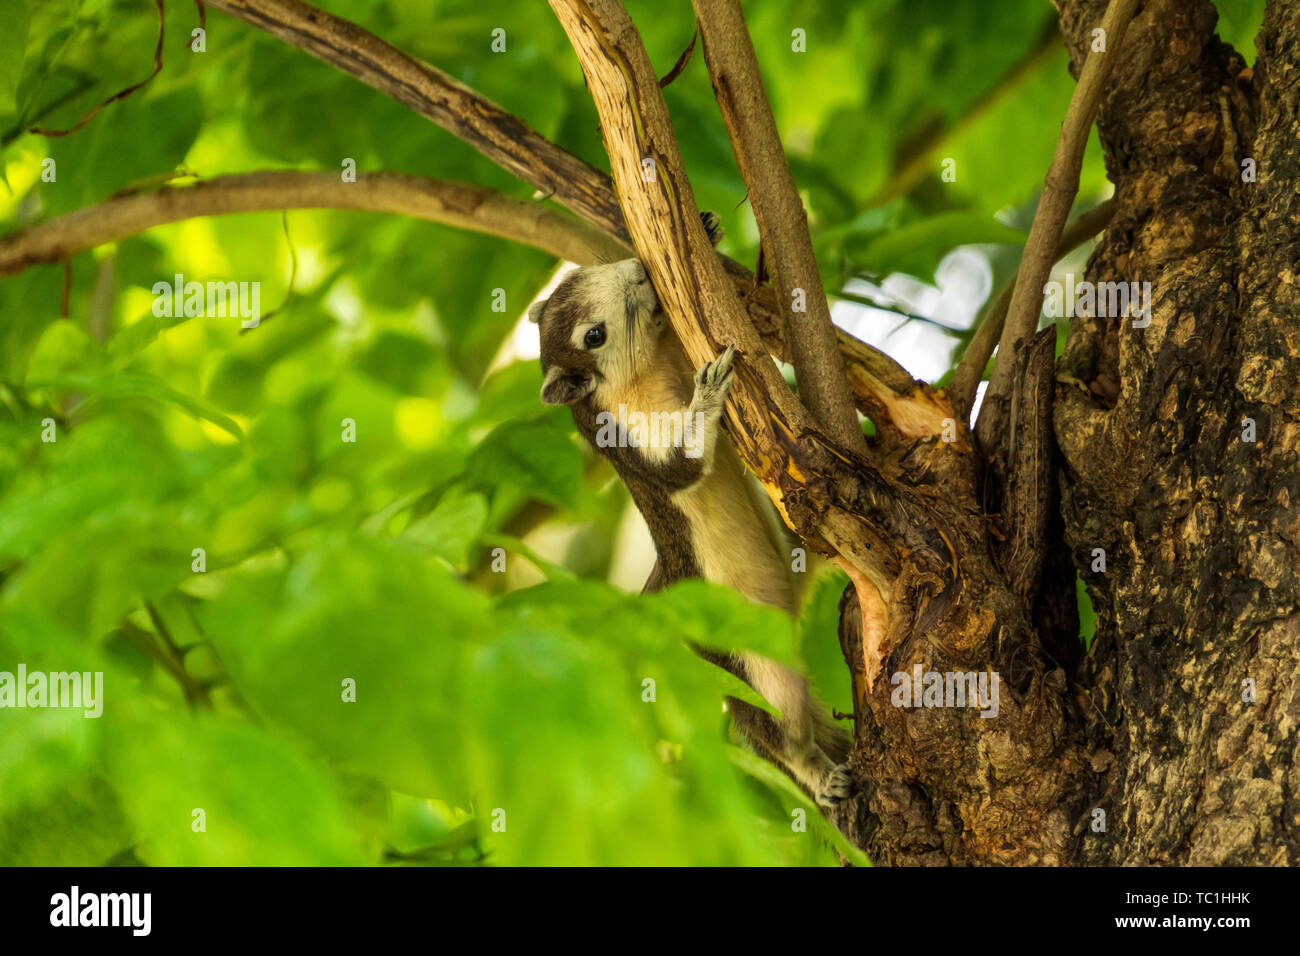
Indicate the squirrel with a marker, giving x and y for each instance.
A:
(609, 353)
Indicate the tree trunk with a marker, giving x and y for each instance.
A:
(1174, 740)
(1201, 525)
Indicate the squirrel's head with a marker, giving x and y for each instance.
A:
(599, 326)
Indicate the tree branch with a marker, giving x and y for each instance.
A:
(1059, 189)
(886, 393)
(782, 221)
(970, 370)
(504, 138)
(769, 426)
(452, 203)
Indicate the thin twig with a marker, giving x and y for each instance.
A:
(120, 94)
(901, 313)
(293, 276)
(970, 370)
(168, 657)
(21, 127)
(1059, 188)
(458, 204)
(682, 60)
(441, 98)
(203, 20)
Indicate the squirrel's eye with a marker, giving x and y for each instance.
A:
(595, 337)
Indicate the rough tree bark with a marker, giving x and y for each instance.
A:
(1200, 527)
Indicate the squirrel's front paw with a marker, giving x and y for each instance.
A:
(713, 380)
(713, 226)
(835, 785)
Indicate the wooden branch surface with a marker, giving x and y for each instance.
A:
(464, 205)
(1059, 188)
(782, 221)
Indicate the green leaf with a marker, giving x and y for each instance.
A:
(57, 805)
(128, 343)
(719, 617)
(819, 642)
(63, 348)
(232, 795)
(452, 528)
(13, 47)
(373, 612)
(123, 385)
(106, 155)
(538, 457)
(774, 778)
(1087, 616)
(553, 571)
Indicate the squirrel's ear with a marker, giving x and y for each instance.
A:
(565, 386)
(535, 310)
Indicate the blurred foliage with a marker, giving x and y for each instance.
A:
(496, 719)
